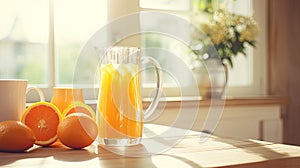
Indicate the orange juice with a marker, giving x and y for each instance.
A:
(63, 97)
(120, 106)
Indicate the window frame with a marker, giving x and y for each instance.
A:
(259, 66)
(258, 60)
(89, 92)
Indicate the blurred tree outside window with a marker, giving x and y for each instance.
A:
(24, 37)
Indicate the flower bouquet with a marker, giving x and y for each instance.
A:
(228, 35)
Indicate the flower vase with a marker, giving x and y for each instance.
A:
(202, 78)
(211, 79)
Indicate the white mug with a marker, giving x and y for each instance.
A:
(13, 98)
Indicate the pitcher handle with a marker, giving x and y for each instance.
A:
(149, 111)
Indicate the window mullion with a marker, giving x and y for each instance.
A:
(51, 53)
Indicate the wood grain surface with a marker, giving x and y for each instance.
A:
(189, 151)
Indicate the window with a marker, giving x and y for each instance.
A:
(74, 23)
(24, 40)
(40, 40)
(178, 5)
(248, 75)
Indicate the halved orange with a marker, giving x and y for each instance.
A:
(43, 118)
(79, 108)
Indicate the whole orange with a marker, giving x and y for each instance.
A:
(77, 130)
(15, 136)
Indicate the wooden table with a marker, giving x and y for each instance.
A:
(188, 152)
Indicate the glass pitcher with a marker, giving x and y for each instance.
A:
(120, 114)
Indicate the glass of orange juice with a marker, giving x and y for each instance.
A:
(120, 114)
(63, 97)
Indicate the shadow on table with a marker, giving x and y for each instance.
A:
(34, 152)
(186, 161)
(133, 156)
(112, 157)
(254, 147)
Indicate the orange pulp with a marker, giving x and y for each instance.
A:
(120, 105)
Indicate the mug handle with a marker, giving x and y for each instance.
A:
(38, 90)
(144, 60)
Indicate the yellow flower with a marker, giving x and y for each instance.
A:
(205, 28)
(228, 33)
(216, 32)
(249, 33)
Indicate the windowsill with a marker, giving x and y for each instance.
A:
(173, 102)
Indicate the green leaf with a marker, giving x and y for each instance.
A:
(251, 43)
